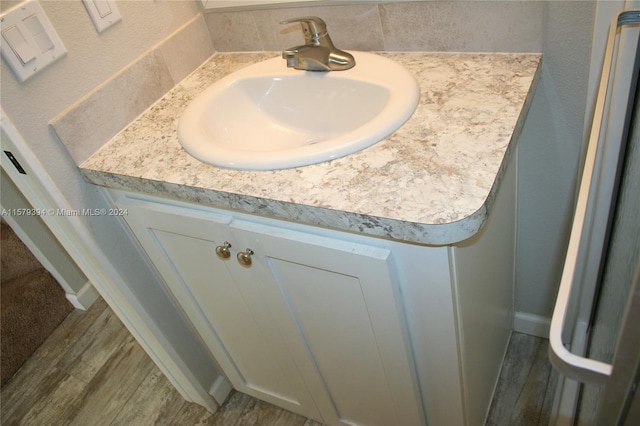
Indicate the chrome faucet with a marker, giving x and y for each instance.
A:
(318, 53)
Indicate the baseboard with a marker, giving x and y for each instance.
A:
(534, 325)
(84, 298)
(220, 389)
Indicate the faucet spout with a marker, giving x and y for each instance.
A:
(290, 56)
(308, 58)
(319, 53)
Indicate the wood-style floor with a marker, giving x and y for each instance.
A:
(92, 372)
(524, 393)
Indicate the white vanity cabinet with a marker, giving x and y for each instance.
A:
(350, 300)
(307, 322)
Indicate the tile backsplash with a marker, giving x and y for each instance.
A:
(92, 121)
(462, 26)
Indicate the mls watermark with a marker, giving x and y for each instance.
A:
(64, 212)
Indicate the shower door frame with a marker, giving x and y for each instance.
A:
(597, 192)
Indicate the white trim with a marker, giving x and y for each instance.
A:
(588, 233)
(83, 298)
(565, 400)
(531, 324)
(604, 11)
(39, 190)
(220, 389)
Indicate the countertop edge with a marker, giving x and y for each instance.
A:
(427, 234)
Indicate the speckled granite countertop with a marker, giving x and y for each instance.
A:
(433, 181)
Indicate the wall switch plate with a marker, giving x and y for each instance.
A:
(104, 13)
(29, 42)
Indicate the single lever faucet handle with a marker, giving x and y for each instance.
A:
(312, 26)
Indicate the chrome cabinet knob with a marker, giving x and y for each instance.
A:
(244, 258)
(223, 251)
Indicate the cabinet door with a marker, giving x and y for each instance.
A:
(338, 308)
(226, 312)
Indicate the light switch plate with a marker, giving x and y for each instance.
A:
(29, 42)
(104, 13)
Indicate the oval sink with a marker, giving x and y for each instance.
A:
(268, 116)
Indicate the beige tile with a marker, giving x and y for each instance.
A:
(464, 26)
(187, 49)
(355, 27)
(233, 31)
(468, 26)
(88, 124)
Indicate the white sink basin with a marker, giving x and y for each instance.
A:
(268, 116)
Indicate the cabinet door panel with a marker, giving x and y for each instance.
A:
(182, 245)
(337, 306)
(218, 297)
(331, 311)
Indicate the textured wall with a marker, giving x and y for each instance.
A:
(550, 151)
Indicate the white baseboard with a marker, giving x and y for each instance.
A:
(534, 325)
(84, 298)
(220, 389)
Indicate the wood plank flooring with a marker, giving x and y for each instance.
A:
(526, 387)
(92, 372)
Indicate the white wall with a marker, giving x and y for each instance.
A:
(91, 60)
(550, 155)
